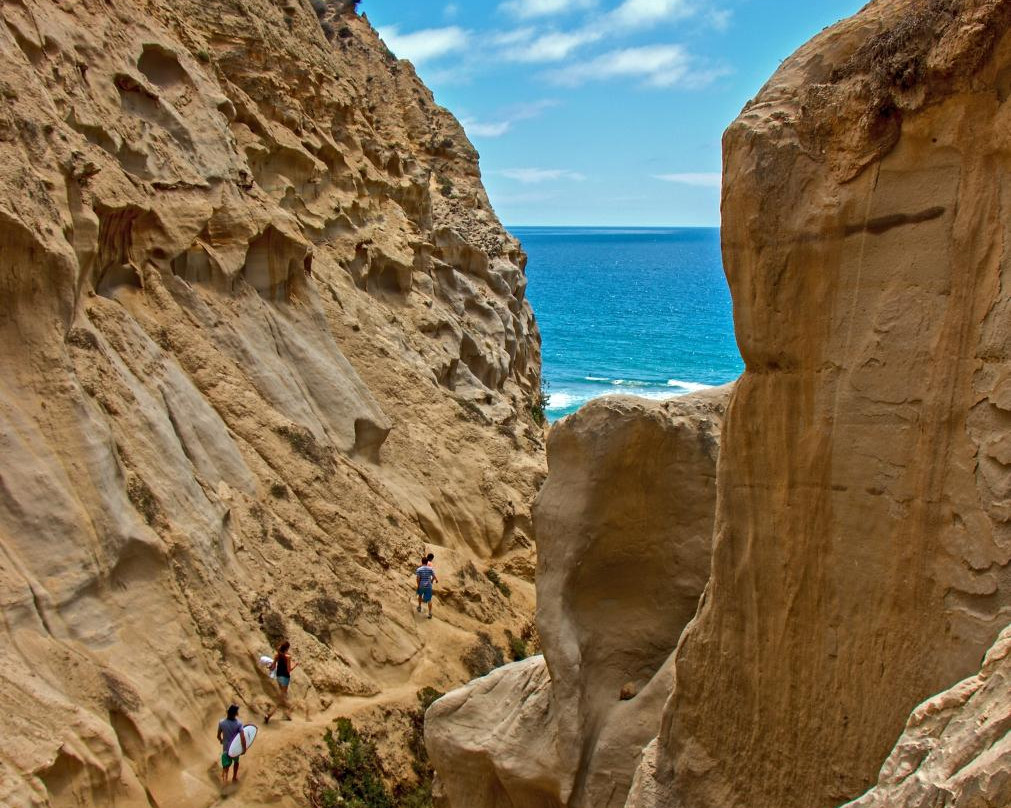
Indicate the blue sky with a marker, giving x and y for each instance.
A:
(599, 112)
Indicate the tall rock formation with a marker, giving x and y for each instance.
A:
(862, 544)
(263, 338)
(623, 526)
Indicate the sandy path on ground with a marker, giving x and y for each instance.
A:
(274, 771)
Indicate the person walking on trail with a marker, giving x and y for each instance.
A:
(425, 575)
(228, 728)
(282, 666)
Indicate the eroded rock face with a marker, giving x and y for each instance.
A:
(623, 526)
(956, 748)
(262, 338)
(862, 546)
(494, 741)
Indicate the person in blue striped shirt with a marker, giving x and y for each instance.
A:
(426, 577)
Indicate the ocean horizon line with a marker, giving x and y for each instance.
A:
(612, 226)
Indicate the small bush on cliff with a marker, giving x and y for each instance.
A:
(540, 404)
(351, 774)
(304, 442)
(419, 794)
(272, 624)
(483, 656)
(517, 646)
(353, 767)
(500, 585)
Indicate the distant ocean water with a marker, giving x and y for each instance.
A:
(642, 311)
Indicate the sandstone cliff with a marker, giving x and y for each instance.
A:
(623, 527)
(862, 545)
(263, 341)
(956, 749)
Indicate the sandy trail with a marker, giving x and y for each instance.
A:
(274, 770)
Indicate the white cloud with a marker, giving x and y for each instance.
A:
(720, 19)
(532, 176)
(479, 129)
(635, 14)
(517, 36)
(552, 47)
(450, 11)
(426, 44)
(640, 13)
(517, 199)
(655, 65)
(509, 116)
(701, 180)
(526, 9)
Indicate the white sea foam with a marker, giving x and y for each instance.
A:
(691, 387)
(559, 401)
(562, 400)
(658, 395)
(596, 378)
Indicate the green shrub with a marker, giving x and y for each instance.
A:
(353, 763)
(500, 585)
(350, 775)
(418, 794)
(483, 656)
(517, 647)
(540, 404)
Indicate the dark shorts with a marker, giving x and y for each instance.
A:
(227, 760)
(426, 593)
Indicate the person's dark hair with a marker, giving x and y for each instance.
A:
(430, 557)
(233, 710)
(283, 648)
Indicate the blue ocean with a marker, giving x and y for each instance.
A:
(642, 311)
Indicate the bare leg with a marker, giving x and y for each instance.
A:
(284, 702)
(224, 775)
(235, 774)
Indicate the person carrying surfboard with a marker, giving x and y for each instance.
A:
(282, 666)
(229, 727)
(425, 576)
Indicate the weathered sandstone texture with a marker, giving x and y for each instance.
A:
(956, 749)
(262, 341)
(623, 526)
(862, 544)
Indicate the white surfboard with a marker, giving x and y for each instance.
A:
(235, 748)
(267, 661)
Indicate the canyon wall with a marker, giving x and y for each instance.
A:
(862, 542)
(263, 341)
(623, 525)
(955, 751)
